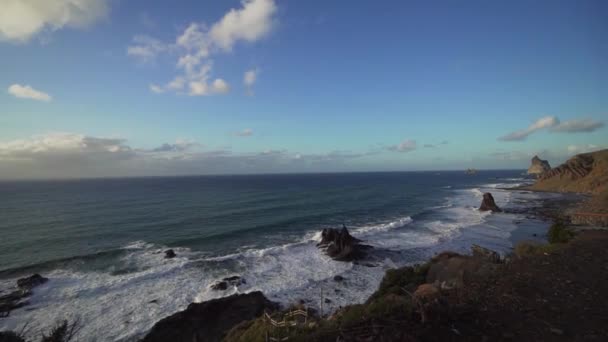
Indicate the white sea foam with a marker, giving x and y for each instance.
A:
(116, 305)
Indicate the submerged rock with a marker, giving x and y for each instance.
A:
(16, 299)
(169, 254)
(338, 278)
(340, 245)
(30, 282)
(488, 203)
(229, 281)
(211, 320)
(538, 166)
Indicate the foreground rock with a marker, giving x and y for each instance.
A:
(211, 320)
(341, 246)
(488, 203)
(538, 166)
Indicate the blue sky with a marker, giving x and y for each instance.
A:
(333, 86)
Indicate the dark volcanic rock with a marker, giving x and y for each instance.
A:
(16, 299)
(211, 320)
(488, 203)
(340, 245)
(338, 278)
(169, 254)
(229, 281)
(30, 282)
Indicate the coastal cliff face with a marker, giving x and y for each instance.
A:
(538, 166)
(585, 173)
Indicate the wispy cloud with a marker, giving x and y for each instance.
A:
(68, 155)
(583, 148)
(575, 126)
(249, 79)
(198, 43)
(554, 125)
(247, 132)
(405, 146)
(544, 122)
(20, 20)
(146, 48)
(27, 92)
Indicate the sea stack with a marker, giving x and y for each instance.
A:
(488, 203)
(340, 245)
(538, 166)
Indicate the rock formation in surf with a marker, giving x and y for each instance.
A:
(488, 203)
(340, 245)
(17, 299)
(538, 166)
(211, 320)
(229, 281)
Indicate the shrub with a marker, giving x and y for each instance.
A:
(559, 233)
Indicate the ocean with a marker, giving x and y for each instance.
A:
(101, 242)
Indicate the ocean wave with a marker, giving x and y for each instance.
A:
(383, 227)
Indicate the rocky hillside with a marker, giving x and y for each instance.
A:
(538, 166)
(585, 173)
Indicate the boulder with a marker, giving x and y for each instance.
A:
(211, 320)
(488, 203)
(538, 166)
(340, 245)
(30, 282)
(229, 281)
(169, 254)
(338, 278)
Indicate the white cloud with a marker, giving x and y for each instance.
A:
(20, 20)
(145, 48)
(27, 92)
(576, 126)
(247, 132)
(250, 23)
(405, 146)
(197, 44)
(544, 122)
(220, 86)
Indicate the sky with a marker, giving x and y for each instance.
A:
(114, 88)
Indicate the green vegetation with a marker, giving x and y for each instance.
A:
(396, 280)
(390, 302)
(559, 233)
(62, 332)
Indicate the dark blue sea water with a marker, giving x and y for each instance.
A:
(101, 241)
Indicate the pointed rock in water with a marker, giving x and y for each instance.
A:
(169, 254)
(488, 203)
(211, 320)
(538, 166)
(340, 245)
(30, 282)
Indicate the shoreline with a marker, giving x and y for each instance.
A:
(534, 212)
(541, 212)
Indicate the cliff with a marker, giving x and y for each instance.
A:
(538, 166)
(583, 173)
